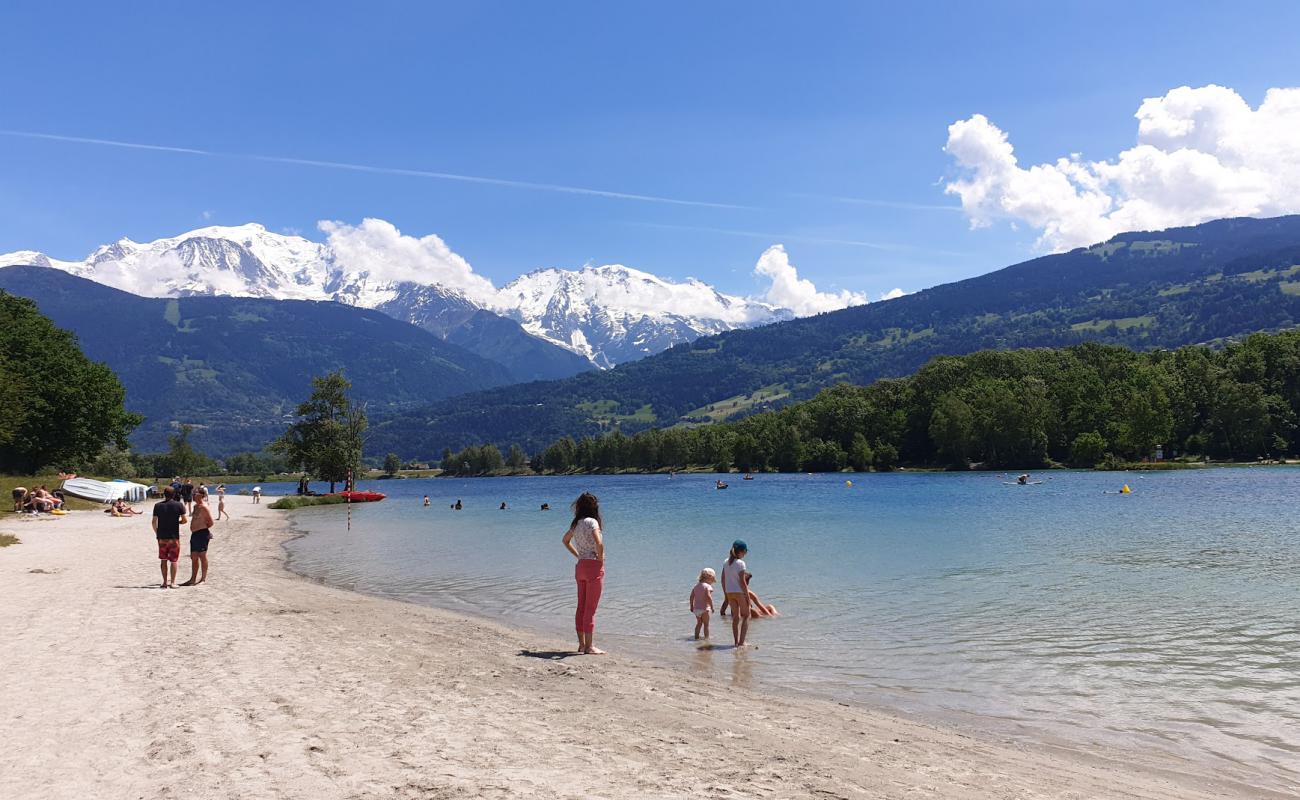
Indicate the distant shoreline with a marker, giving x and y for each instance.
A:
(1135, 466)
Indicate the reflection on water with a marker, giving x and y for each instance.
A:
(1170, 616)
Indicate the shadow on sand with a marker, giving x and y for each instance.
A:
(549, 655)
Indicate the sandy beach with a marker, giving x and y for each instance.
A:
(263, 684)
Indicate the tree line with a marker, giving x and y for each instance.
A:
(59, 409)
(1077, 405)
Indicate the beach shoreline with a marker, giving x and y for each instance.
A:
(268, 683)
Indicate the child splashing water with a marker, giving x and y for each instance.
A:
(702, 601)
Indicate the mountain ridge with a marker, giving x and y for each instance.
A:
(1145, 290)
(250, 261)
(605, 315)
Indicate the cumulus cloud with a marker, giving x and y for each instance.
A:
(893, 294)
(800, 295)
(1201, 154)
(376, 247)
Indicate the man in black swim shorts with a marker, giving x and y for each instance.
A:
(200, 535)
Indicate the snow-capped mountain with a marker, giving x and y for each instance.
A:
(613, 314)
(607, 314)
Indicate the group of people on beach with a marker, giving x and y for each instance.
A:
(39, 500)
(585, 540)
(176, 509)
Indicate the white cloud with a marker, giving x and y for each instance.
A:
(206, 215)
(893, 294)
(799, 295)
(376, 247)
(1201, 154)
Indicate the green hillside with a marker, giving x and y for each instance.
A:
(1080, 405)
(1202, 284)
(233, 368)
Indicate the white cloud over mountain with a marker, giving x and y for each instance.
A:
(800, 295)
(379, 249)
(1201, 154)
(608, 314)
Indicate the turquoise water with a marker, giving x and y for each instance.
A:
(1168, 617)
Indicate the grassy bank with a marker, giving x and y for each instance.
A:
(7, 539)
(290, 503)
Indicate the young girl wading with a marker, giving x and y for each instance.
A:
(585, 539)
(735, 585)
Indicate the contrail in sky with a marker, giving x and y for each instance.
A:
(340, 165)
(863, 201)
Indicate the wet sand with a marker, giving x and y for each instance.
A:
(263, 684)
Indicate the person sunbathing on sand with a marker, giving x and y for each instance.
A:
(120, 509)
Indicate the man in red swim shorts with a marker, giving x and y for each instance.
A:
(168, 516)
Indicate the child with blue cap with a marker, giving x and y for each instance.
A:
(735, 588)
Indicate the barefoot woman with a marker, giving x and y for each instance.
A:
(586, 540)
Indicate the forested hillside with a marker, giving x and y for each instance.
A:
(1202, 284)
(1019, 408)
(234, 368)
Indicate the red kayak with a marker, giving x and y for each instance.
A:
(361, 497)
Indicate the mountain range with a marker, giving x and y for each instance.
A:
(1201, 284)
(235, 368)
(549, 323)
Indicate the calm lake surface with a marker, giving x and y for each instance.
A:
(1169, 617)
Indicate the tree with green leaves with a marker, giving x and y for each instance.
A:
(181, 458)
(1088, 449)
(327, 439)
(515, 458)
(952, 428)
(861, 456)
(60, 408)
(392, 464)
(113, 463)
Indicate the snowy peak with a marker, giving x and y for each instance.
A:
(32, 258)
(246, 261)
(615, 313)
(607, 314)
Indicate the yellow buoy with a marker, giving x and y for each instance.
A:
(849, 484)
(1125, 490)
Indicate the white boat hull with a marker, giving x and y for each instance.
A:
(105, 491)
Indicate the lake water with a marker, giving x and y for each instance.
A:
(1168, 617)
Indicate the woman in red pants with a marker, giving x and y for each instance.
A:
(586, 540)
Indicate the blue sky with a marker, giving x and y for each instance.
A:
(772, 112)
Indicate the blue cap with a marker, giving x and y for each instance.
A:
(739, 545)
